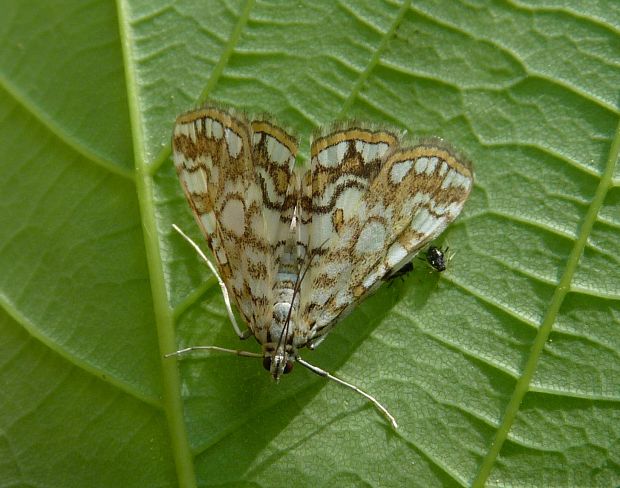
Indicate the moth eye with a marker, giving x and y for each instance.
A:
(289, 367)
(267, 363)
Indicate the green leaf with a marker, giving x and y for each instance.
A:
(503, 370)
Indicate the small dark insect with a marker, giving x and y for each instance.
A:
(437, 258)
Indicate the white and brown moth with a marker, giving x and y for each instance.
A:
(296, 248)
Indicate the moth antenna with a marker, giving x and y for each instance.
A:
(321, 372)
(182, 352)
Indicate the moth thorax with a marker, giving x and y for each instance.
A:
(281, 330)
(283, 315)
(278, 352)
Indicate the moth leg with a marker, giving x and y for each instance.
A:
(315, 343)
(242, 335)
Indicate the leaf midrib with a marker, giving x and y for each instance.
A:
(164, 315)
(523, 383)
(164, 318)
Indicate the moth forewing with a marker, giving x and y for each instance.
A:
(407, 203)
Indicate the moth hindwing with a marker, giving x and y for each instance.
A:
(296, 248)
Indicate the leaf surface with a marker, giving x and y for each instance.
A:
(503, 370)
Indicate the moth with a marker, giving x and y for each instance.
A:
(297, 247)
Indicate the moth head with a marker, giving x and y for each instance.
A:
(278, 364)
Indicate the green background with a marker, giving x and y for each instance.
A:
(502, 371)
